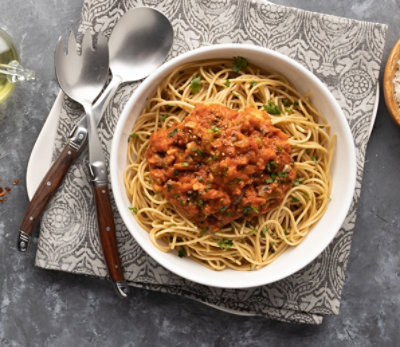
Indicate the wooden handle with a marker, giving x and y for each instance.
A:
(108, 239)
(44, 193)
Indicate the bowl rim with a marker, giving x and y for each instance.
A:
(150, 249)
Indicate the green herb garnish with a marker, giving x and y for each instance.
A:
(133, 136)
(214, 129)
(185, 164)
(223, 209)
(195, 85)
(272, 109)
(239, 63)
(297, 182)
(173, 132)
(227, 83)
(181, 252)
(225, 244)
(254, 209)
(163, 117)
(134, 210)
(253, 83)
(269, 165)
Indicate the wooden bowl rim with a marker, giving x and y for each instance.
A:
(388, 85)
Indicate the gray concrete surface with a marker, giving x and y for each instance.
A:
(56, 309)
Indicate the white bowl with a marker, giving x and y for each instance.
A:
(343, 170)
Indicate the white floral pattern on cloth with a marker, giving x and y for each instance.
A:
(345, 54)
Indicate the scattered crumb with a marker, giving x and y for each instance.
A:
(5, 191)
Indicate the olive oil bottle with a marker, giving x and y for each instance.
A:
(8, 54)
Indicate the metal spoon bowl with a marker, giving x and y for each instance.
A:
(139, 43)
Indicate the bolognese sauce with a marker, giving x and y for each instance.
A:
(219, 165)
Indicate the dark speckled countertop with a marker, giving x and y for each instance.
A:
(46, 308)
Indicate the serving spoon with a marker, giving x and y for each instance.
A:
(139, 43)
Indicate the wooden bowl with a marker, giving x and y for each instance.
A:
(388, 85)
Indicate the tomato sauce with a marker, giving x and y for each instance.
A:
(218, 165)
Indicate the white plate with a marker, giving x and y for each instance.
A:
(343, 170)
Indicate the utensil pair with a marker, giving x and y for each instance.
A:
(138, 44)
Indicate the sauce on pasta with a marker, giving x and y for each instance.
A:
(218, 165)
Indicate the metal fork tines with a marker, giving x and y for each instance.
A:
(82, 77)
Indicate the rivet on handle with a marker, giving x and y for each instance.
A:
(23, 241)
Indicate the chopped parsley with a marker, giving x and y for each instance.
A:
(254, 209)
(214, 157)
(282, 174)
(239, 63)
(206, 189)
(173, 132)
(214, 129)
(246, 210)
(225, 244)
(195, 85)
(228, 83)
(251, 231)
(294, 199)
(272, 109)
(223, 209)
(134, 209)
(295, 104)
(163, 117)
(269, 165)
(169, 186)
(203, 231)
(133, 136)
(297, 182)
(181, 252)
(198, 151)
(185, 164)
(176, 173)
(176, 195)
(285, 102)
(253, 83)
(314, 160)
(264, 232)
(269, 181)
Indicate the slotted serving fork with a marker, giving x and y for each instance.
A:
(82, 77)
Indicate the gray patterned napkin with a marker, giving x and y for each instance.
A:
(345, 54)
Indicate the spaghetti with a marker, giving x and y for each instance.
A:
(251, 241)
